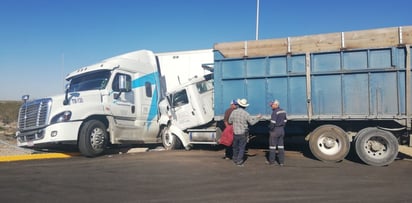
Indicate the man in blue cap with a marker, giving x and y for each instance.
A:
(277, 133)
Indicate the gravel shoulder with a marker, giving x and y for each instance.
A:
(8, 146)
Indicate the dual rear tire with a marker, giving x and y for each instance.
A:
(373, 146)
(329, 143)
(376, 147)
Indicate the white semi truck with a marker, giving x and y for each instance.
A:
(121, 100)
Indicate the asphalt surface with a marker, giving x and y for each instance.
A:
(200, 175)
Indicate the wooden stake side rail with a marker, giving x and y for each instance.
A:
(374, 38)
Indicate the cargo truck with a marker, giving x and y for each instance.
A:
(339, 89)
(120, 100)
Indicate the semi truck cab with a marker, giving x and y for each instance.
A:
(114, 101)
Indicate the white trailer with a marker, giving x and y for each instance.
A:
(180, 67)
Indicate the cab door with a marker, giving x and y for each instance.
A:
(184, 115)
(122, 104)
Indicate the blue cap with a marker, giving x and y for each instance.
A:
(273, 102)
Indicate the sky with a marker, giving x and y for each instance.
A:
(41, 41)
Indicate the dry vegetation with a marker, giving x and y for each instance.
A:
(8, 116)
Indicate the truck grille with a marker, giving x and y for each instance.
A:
(34, 114)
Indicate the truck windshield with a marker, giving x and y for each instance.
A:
(204, 86)
(90, 81)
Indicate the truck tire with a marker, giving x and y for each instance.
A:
(93, 138)
(376, 147)
(329, 143)
(170, 141)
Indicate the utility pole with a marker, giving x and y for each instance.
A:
(62, 71)
(257, 19)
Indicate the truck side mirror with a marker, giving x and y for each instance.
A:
(124, 85)
(25, 98)
(66, 93)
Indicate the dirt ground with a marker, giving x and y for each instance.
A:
(202, 176)
(8, 143)
(7, 132)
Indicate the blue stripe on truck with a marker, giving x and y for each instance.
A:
(140, 82)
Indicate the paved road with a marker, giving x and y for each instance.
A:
(200, 175)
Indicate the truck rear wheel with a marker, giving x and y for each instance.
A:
(329, 143)
(93, 138)
(170, 141)
(376, 147)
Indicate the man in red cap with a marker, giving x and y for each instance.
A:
(228, 148)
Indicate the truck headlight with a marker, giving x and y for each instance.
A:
(62, 117)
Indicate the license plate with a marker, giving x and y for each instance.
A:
(30, 143)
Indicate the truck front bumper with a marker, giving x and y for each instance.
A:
(65, 132)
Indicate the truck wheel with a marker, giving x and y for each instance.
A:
(93, 138)
(329, 143)
(376, 147)
(169, 140)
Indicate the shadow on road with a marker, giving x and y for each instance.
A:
(259, 142)
(299, 144)
(403, 156)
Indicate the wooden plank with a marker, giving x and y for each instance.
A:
(374, 38)
(261, 47)
(316, 43)
(231, 49)
(407, 35)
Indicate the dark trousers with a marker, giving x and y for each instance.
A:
(276, 142)
(239, 144)
(229, 152)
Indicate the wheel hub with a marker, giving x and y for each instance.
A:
(167, 137)
(97, 138)
(375, 146)
(329, 142)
